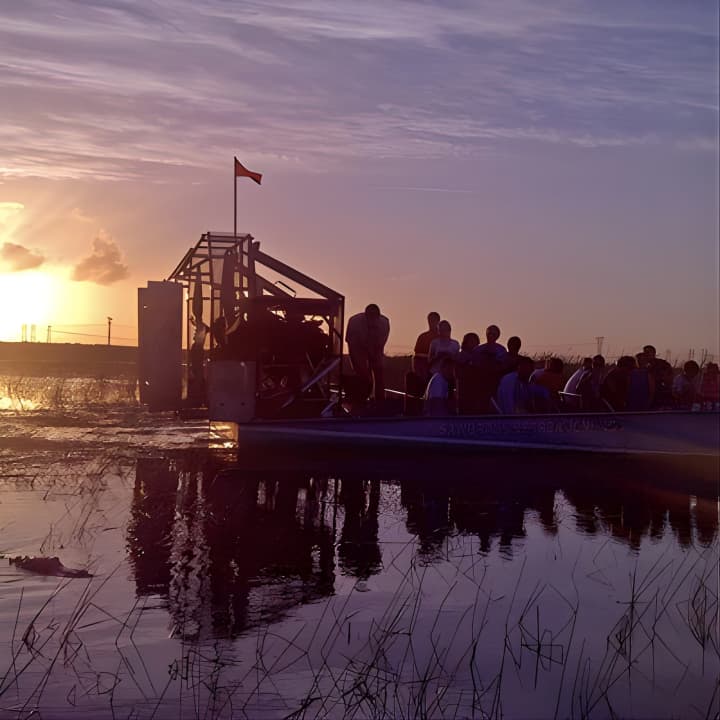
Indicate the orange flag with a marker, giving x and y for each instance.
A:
(242, 171)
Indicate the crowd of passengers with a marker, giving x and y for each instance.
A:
(473, 377)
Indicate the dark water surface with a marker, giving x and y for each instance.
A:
(522, 586)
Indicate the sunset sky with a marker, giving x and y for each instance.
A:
(548, 167)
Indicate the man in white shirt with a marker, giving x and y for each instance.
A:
(439, 396)
(571, 386)
(442, 346)
(366, 335)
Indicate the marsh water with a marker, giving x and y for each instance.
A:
(227, 585)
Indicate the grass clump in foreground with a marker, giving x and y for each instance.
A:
(421, 653)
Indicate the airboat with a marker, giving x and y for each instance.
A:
(265, 343)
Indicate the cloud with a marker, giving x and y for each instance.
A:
(104, 266)
(9, 210)
(19, 258)
(80, 216)
(92, 98)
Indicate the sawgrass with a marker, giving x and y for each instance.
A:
(421, 656)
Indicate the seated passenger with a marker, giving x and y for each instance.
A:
(420, 364)
(440, 393)
(662, 374)
(571, 386)
(442, 346)
(538, 371)
(515, 395)
(641, 385)
(492, 347)
(480, 382)
(614, 389)
(686, 389)
(551, 379)
(589, 387)
(710, 384)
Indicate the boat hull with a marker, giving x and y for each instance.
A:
(652, 433)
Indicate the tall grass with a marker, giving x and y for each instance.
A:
(424, 654)
(24, 393)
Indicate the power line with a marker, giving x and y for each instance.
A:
(102, 325)
(571, 344)
(94, 335)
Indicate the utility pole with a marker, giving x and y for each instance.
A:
(49, 334)
(109, 325)
(23, 333)
(600, 339)
(33, 334)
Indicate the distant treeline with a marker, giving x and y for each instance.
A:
(120, 361)
(67, 360)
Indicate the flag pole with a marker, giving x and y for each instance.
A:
(234, 199)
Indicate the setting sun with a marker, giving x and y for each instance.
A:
(27, 298)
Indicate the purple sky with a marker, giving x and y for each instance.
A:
(549, 167)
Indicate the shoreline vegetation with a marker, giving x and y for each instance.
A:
(57, 376)
(86, 360)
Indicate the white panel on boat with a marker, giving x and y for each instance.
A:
(231, 390)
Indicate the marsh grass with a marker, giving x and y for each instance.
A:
(446, 641)
(58, 393)
(422, 656)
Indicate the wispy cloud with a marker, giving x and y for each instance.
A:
(9, 210)
(112, 90)
(18, 258)
(410, 188)
(77, 214)
(104, 265)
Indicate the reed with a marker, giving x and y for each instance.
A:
(62, 393)
(445, 642)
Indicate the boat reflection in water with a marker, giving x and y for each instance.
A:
(228, 552)
(232, 548)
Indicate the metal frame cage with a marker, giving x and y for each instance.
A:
(265, 311)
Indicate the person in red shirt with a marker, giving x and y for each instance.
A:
(551, 378)
(417, 379)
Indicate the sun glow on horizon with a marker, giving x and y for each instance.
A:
(28, 298)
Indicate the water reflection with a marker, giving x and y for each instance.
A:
(230, 548)
(359, 552)
(228, 551)
(497, 512)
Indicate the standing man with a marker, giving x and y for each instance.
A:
(366, 335)
(491, 349)
(420, 364)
